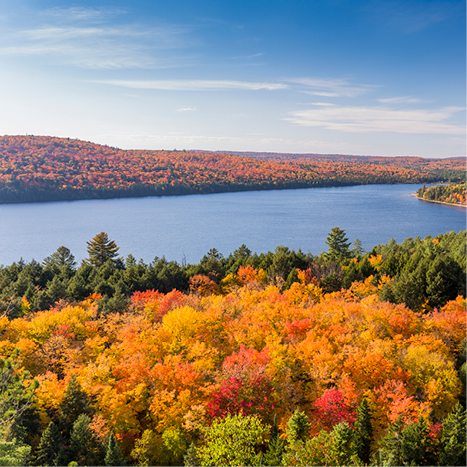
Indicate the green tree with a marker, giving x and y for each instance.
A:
(233, 440)
(452, 444)
(13, 453)
(16, 392)
(113, 455)
(101, 249)
(342, 442)
(50, 450)
(74, 403)
(85, 447)
(408, 445)
(443, 279)
(298, 427)
(61, 261)
(357, 251)
(363, 431)
(390, 452)
(339, 247)
(56, 289)
(273, 455)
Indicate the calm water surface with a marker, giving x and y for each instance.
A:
(186, 227)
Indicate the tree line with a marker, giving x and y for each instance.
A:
(452, 193)
(426, 273)
(43, 168)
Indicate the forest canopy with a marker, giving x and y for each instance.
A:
(345, 358)
(44, 168)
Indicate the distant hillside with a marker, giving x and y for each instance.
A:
(44, 168)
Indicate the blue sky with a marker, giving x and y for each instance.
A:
(378, 77)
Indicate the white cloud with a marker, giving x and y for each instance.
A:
(81, 13)
(401, 100)
(380, 119)
(186, 109)
(323, 104)
(194, 85)
(77, 41)
(331, 87)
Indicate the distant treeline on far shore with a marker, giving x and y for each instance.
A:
(44, 168)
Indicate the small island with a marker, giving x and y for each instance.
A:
(452, 193)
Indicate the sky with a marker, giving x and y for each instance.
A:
(369, 77)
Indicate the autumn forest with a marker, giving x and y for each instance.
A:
(281, 358)
(44, 168)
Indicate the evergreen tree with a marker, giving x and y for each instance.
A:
(113, 455)
(339, 247)
(101, 249)
(75, 403)
(273, 455)
(415, 447)
(61, 261)
(453, 449)
(357, 250)
(408, 445)
(56, 289)
(341, 445)
(390, 452)
(363, 432)
(50, 450)
(85, 448)
(297, 427)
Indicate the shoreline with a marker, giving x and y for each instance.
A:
(440, 202)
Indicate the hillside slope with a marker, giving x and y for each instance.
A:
(43, 168)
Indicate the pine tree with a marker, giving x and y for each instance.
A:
(363, 432)
(50, 450)
(113, 456)
(341, 449)
(273, 455)
(416, 443)
(453, 449)
(297, 427)
(61, 261)
(101, 249)
(338, 246)
(85, 448)
(75, 403)
(390, 452)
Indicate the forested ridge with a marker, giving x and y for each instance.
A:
(344, 358)
(43, 168)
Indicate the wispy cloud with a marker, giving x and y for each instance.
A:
(401, 100)
(186, 109)
(194, 85)
(330, 87)
(81, 13)
(81, 37)
(381, 119)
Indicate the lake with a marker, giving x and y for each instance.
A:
(184, 228)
